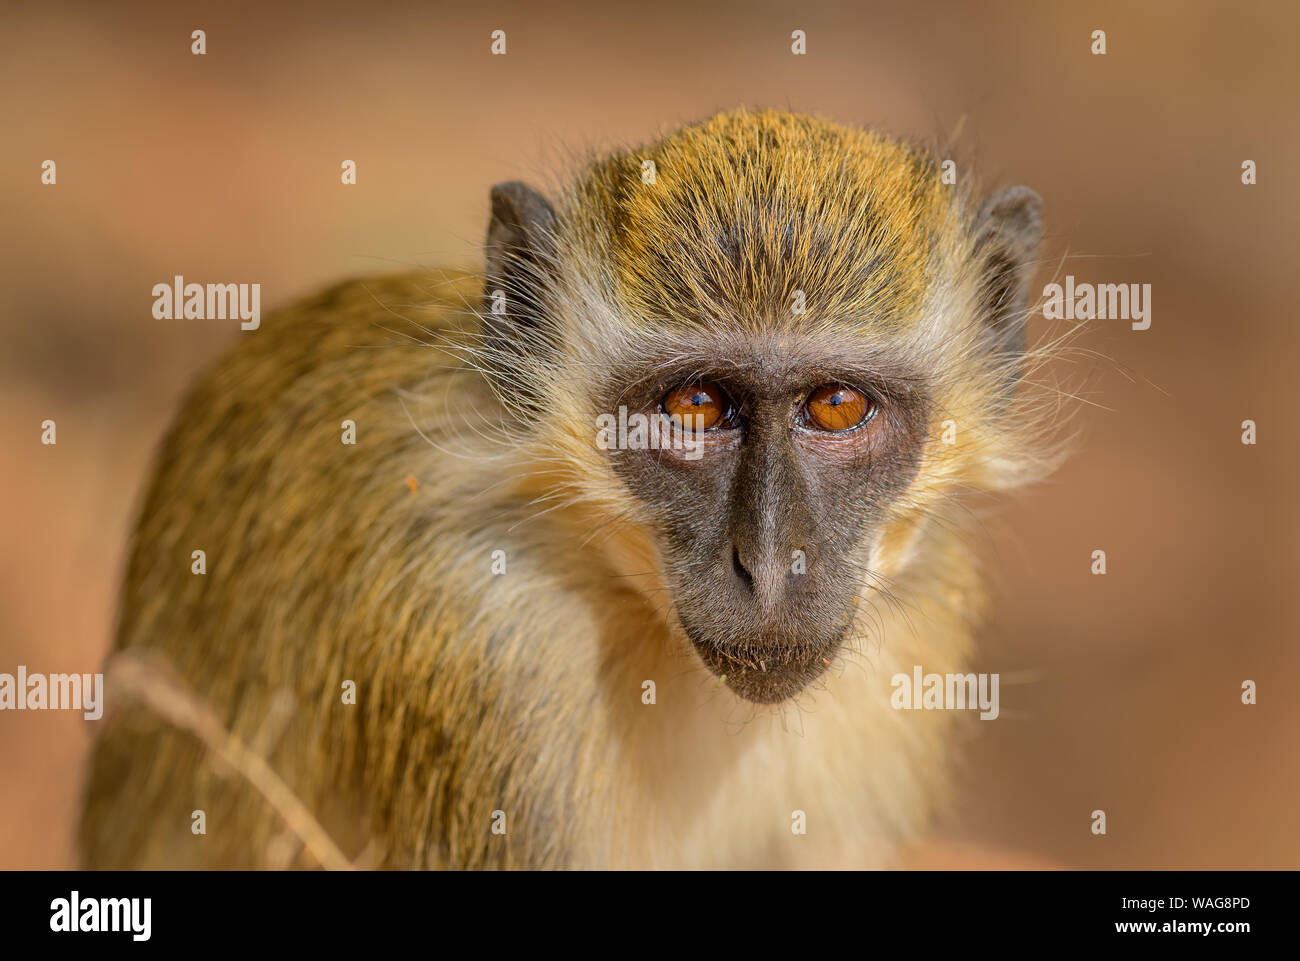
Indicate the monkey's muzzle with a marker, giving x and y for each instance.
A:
(766, 674)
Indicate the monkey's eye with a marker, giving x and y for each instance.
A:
(837, 407)
(703, 402)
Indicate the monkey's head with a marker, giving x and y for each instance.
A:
(779, 320)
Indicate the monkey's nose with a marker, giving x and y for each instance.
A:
(742, 572)
(760, 577)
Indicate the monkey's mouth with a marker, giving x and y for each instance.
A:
(766, 674)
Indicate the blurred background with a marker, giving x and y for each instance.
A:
(225, 167)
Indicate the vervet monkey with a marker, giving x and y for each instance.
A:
(563, 655)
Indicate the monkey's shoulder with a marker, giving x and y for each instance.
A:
(379, 316)
(307, 412)
(332, 350)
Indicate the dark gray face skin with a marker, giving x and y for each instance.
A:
(769, 484)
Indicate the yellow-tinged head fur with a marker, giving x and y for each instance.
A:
(747, 208)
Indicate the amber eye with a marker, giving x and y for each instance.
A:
(838, 407)
(698, 406)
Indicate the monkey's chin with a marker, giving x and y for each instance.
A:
(769, 674)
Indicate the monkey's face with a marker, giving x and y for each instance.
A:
(780, 463)
(819, 300)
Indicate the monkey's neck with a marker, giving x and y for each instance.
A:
(687, 766)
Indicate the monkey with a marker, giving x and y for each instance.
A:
(566, 656)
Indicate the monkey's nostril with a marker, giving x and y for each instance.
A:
(746, 578)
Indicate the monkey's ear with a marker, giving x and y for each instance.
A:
(520, 256)
(1008, 229)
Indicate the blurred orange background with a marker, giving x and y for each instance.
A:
(225, 167)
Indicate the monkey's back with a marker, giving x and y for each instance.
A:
(326, 562)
